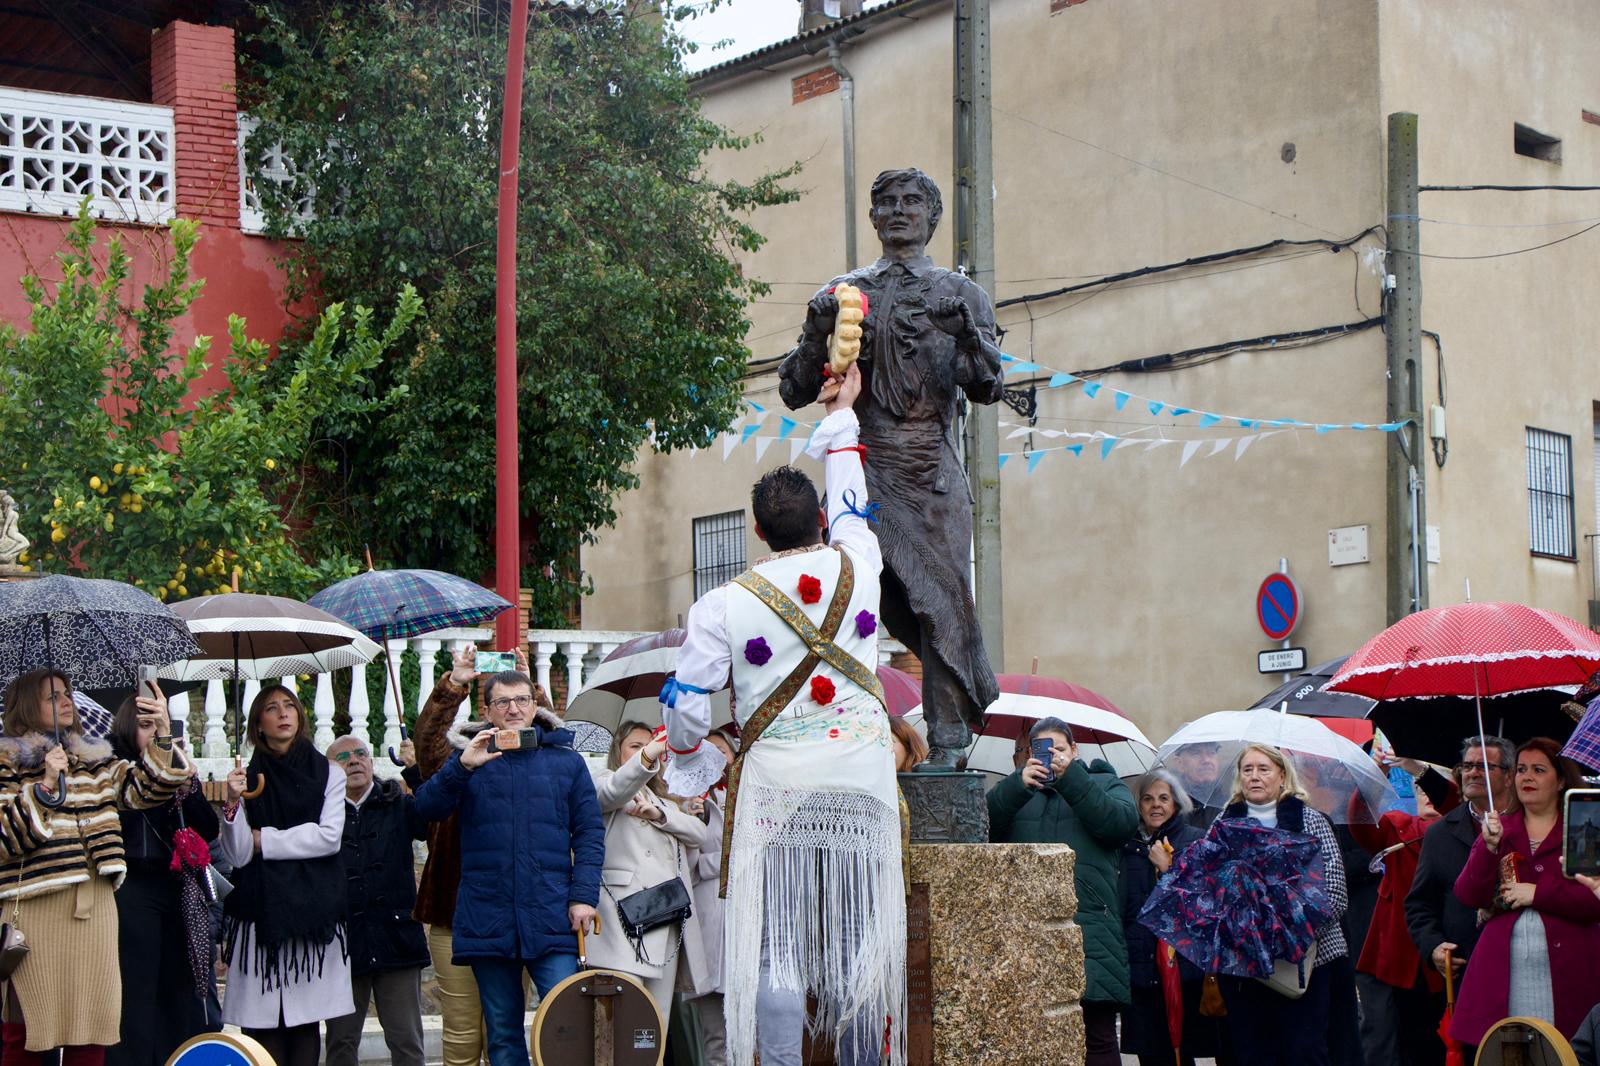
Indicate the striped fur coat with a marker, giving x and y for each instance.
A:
(42, 850)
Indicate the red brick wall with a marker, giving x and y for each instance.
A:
(818, 82)
(192, 72)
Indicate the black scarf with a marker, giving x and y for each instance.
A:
(1291, 813)
(292, 908)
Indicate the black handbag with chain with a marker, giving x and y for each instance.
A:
(651, 908)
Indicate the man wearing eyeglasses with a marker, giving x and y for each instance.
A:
(1439, 923)
(387, 946)
(532, 844)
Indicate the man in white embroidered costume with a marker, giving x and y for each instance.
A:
(816, 896)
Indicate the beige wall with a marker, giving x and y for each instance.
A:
(1140, 132)
(1520, 331)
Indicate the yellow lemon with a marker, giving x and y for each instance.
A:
(272, 464)
(125, 499)
(172, 583)
(117, 470)
(94, 483)
(137, 498)
(161, 593)
(111, 520)
(58, 535)
(182, 591)
(258, 566)
(136, 508)
(22, 558)
(78, 506)
(59, 502)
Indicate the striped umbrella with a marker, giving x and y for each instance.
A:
(243, 635)
(395, 604)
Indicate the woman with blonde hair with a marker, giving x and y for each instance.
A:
(1269, 1028)
(649, 839)
(61, 859)
(283, 924)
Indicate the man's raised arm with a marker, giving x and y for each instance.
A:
(837, 443)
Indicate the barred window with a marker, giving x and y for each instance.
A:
(1550, 518)
(718, 550)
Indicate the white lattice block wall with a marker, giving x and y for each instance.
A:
(57, 149)
(276, 168)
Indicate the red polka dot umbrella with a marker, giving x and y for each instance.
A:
(1471, 649)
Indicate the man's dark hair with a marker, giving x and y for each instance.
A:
(785, 505)
(1051, 725)
(925, 183)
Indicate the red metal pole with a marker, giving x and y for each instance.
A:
(507, 546)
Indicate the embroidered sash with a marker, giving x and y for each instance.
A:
(781, 696)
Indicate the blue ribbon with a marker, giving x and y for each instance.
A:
(669, 691)
(869, 512)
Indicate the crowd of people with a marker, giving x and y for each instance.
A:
(325, 920)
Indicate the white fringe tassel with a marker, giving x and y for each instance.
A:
(827, 888)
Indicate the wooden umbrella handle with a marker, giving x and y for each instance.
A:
(261, 779)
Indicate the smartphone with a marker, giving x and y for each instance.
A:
(149, 676)
(494, 662)
(514, 740)
(1042, 749)
(1580, 849)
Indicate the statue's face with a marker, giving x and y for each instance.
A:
(900, 214)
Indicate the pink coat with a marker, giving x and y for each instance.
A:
(1571, 916)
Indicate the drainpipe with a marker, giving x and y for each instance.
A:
(847, 101)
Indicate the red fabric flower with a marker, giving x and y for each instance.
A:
(822, 690)
(189, 851)
(810, 589)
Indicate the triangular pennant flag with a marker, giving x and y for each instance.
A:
(1208, 419)
(1108, 446)
(1058, 379)
(1020, 431)
(1219, 446)
(1004, 358)
(1122, 400)
(1052, 433)
(1128, 442)
(1359, 425)
(756, 407)
(785, 426)
(1021, 368)
(797, 447)
(1033, 460)
(1075, 449)
(762, 444)
(693, 451)
(1179, 412)
(1152, 445)
(1000, 462)
(1247, 423)
(1156, 406)
(749, 431)
(1244, 442)
(1323, 428)
(1189, 449)
(729, 443)
(1391, 427)
(1091, 389)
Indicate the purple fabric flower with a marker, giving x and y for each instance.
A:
(866, 624)
(756, 652)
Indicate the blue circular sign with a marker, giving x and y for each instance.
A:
(221, 1049)
(1278, 606)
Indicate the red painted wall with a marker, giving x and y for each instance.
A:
(192, 71)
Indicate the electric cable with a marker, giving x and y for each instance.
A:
(1500, 255)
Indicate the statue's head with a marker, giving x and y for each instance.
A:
(906, 207)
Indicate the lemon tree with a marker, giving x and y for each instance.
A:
(122, 471)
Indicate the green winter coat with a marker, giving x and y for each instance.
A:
(1089, 808)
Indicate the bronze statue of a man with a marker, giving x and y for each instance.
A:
(929, 332)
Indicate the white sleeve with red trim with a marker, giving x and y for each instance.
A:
(846, 485)
(691, 767)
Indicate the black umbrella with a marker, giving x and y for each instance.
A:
(1304, 695)
(1433, 729)
(96, 632)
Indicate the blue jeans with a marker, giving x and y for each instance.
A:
(500, 991)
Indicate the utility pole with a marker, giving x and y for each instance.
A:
(1406, 484)
(974, 166)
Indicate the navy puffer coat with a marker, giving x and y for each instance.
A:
(532, 843)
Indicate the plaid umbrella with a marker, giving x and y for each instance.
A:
(1584, 746)
(394, 604)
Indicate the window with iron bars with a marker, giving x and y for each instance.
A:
(718, 550)
(1550, 517)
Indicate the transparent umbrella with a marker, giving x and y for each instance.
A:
(1339, 779)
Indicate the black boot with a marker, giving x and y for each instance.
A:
(939, 761)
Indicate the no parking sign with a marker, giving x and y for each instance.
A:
(221, 1049)
(1278, 606)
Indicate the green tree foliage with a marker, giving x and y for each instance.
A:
(630, 308)
(120, 474)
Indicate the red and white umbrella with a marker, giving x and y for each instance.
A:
(1471, 649)
(1101, 730)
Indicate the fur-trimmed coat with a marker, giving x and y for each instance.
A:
(42, 850)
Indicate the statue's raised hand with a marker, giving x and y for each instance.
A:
(952, 315)
(821, 313)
